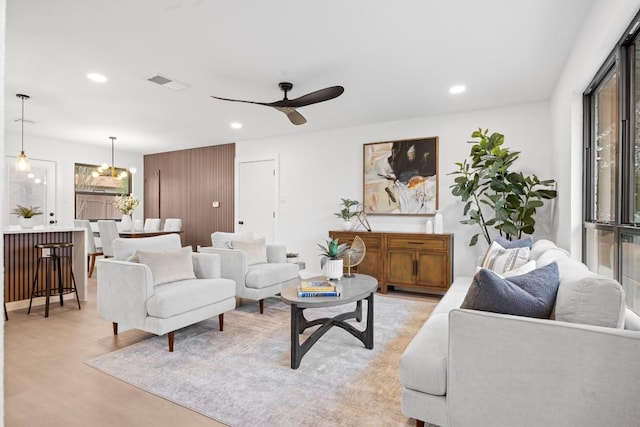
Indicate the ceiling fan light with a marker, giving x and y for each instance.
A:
(236, 125)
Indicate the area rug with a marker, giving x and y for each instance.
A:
(242, 376)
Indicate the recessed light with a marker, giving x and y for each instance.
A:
(457, 89)
(236, 125)
(95, 77)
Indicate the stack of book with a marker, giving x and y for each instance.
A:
(317, 289)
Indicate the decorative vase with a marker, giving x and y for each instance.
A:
(438, 223)
(26, 223)
(429, 228)
(347, 225)
(332, 269)
(126, 223)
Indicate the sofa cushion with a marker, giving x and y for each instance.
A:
(174, 298)
(532, 294)
(168, 266)
(527, 242)
(590, 299)
(423, 365)
(525, 268)
(264, 275)
(123, 249)
(256, 250)
(500, 259)
(222, 240)
(541, 246)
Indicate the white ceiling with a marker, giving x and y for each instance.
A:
(395, 59)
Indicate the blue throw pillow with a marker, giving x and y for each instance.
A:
(532, 294)
(527, 242)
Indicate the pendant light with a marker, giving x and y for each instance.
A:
(109, 170)
(22, 162)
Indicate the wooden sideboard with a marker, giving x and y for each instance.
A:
(414, 261)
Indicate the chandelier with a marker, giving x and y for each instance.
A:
(110, 170)
(22, 162)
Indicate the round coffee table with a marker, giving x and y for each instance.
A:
(354, 289)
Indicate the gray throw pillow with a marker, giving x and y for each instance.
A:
(527, 242)
(532, 294)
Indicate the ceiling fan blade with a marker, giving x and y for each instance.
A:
(240, 100)
(311, 98)
(294, 117)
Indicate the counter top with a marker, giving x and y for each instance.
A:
(41, 230)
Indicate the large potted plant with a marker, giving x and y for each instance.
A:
(26, 215)
(496, 196)
(331, 258)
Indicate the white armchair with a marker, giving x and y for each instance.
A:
(169, 288)
(259, 270)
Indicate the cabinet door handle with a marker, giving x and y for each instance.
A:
(415, 243)
(415, 267)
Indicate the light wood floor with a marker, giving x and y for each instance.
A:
(46, 382)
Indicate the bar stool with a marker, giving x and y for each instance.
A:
(52, 263)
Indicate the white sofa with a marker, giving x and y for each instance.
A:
(476, 368)
(128, 292)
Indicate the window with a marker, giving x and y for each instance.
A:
(611, 232)
(95, 195)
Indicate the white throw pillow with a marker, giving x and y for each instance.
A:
(168, 266)
(523, 269)
(500, 260)
(222, 240)
(256, 250)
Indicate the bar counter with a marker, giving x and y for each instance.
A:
(20, 261)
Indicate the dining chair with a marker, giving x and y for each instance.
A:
(93, 250)
(152, 224)
(108, 233)
(172, 224)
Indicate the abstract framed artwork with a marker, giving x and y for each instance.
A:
(401, 177)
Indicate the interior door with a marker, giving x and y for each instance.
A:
(35, 188)
(257, 198)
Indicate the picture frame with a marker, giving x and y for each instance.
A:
(401, 177)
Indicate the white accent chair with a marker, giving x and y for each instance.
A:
(129, 296)
(93, 250)
(152, 224)
(172, 224)
(108, 233)
(254, 280)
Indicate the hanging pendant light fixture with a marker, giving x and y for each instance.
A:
(22, 162)
(109, 170)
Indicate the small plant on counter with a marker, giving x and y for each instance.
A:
(26, 212)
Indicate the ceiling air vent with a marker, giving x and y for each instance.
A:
(167, 82)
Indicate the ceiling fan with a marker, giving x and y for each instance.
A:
(288, 106)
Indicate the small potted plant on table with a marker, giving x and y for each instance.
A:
(331, 261)
(346, 214)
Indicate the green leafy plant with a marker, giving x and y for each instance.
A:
(26, 212)
(346, 213)
(331, 249)
(509, 199)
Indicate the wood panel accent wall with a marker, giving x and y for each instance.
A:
(184, 184)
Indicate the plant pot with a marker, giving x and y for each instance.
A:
(26, 223)
(292, 260)
(347, 225)
(332, 269)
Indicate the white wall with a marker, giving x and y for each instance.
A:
(602, 29)
(66, 155)
(317, 169)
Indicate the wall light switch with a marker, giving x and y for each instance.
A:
(215, 204)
